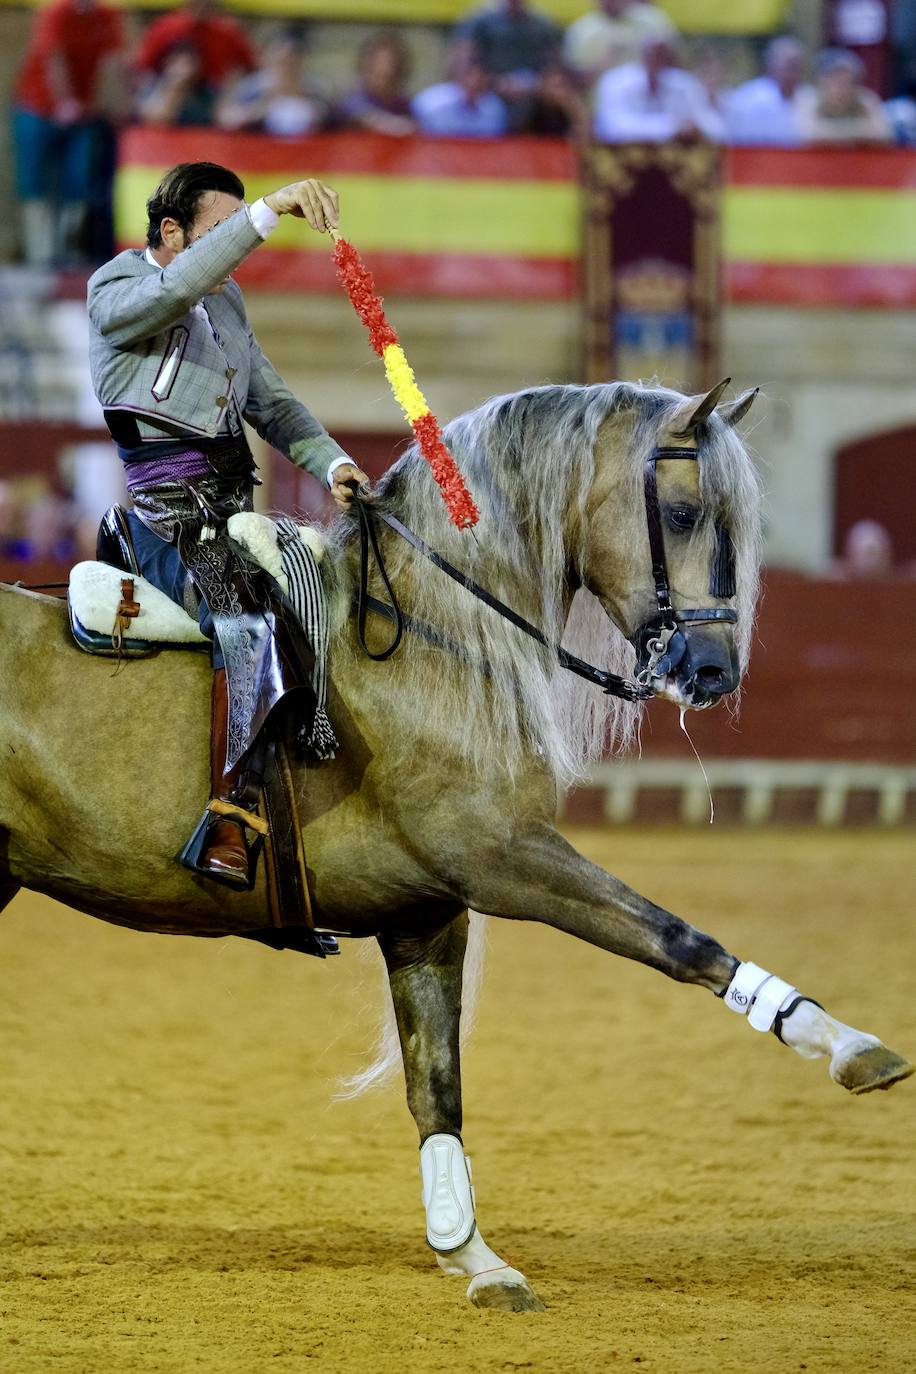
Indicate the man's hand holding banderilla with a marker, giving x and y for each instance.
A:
(309, 200)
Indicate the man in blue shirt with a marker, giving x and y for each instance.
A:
(464, 107)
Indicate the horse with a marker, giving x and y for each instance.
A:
(594, 500)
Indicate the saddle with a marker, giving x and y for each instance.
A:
(114, 612)
(102, 602)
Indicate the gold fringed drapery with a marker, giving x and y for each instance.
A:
(652, 271)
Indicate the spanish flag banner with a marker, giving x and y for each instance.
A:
(502, 219)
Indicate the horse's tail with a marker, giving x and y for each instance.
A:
(387, 1061)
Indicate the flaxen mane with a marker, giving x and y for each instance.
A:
(528, 459)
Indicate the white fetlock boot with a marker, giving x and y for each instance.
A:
(858, 1062)
(447, 1193)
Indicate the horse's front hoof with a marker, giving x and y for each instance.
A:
(509, 1293)
(875, 1067)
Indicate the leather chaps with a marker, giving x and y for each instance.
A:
(265, 652)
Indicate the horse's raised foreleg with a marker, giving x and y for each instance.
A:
(425, 973)
(540, 877)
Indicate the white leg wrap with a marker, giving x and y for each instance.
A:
(447, 1193)
(758, 995)
(769, 1000)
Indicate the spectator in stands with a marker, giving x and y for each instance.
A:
(179, 95)
(380, 100)
(710, 70)
(612, 34)
(186, 59)
(280, 98)
(61, 121)
(653, 100)
(555, 109)
(840, 109)
(464, 107)
(868, 553)
(514, 42)
(764, 111)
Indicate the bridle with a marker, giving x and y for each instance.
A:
(658, 641)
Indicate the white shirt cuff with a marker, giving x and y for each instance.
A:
(337, 463)
(263, 218)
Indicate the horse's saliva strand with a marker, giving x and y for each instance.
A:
(712, 809)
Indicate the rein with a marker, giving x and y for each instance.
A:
(610, 683)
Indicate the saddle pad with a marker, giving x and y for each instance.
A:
(94, 594)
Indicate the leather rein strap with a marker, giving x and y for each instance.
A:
(608, 682)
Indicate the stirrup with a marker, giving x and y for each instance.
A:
(253, 827)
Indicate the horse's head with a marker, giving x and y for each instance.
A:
(671, 544)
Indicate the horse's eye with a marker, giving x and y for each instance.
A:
(682, 519)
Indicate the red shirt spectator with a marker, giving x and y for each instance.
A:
(78, 35)
(221, 44)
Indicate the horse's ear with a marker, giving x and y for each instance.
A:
(699, 408)
(733, 412)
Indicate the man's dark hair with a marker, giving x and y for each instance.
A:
(179, 192)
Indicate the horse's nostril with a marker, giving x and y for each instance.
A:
(710, 678)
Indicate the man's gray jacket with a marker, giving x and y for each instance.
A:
(156, 362)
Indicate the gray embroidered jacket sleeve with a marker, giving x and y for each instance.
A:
(128, 308)
(283, 421)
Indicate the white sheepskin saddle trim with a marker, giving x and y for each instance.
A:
(95, 591)
(95, 588)
(258, 534)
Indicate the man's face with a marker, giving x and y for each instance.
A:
(212, 208)
(788, 69)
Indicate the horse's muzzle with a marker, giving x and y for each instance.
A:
(708, 668)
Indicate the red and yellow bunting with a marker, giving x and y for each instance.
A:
(359, 285)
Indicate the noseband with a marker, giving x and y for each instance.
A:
(659, 643)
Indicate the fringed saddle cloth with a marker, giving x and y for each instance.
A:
(113, 618)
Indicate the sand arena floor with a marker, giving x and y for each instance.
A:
(180, 1192)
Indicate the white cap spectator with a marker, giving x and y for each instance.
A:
(764, 111)
(612, 34)
(654, 100)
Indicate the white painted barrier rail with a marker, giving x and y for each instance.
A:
(758, 782)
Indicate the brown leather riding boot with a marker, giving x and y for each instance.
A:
(225, 855)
